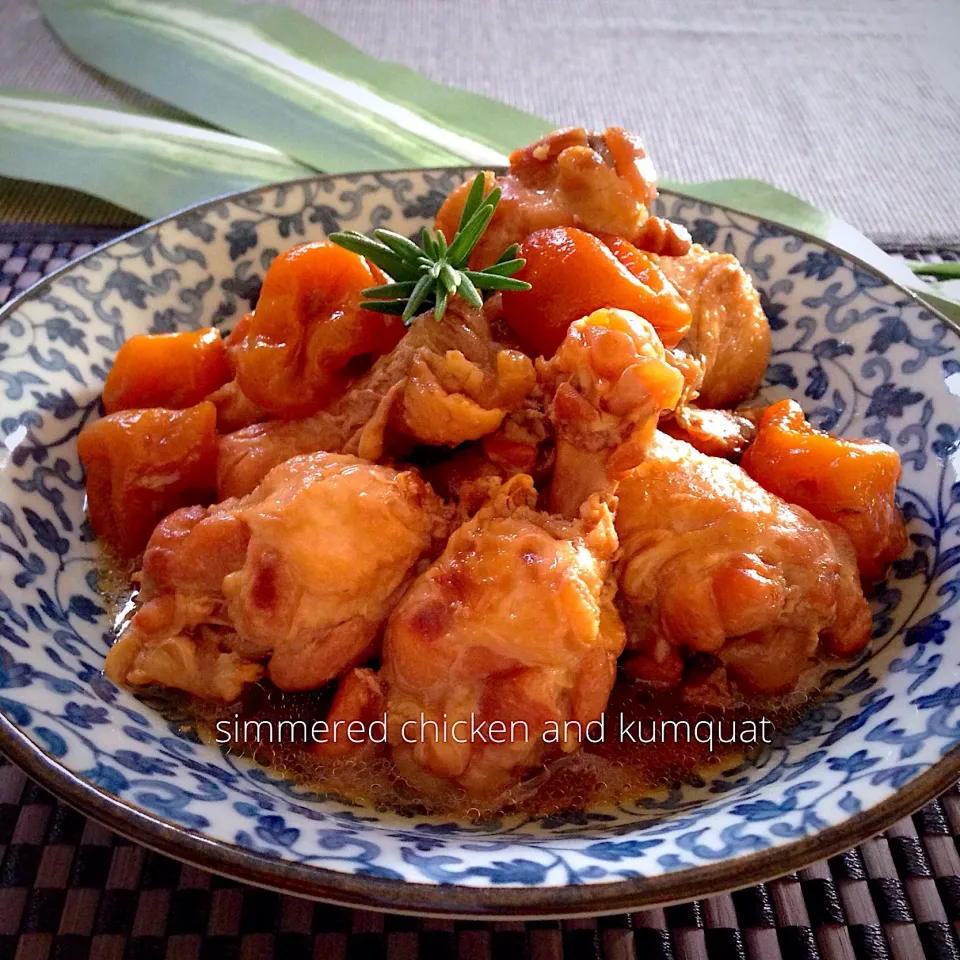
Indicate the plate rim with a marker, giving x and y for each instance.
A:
(447, 900)
(458, 901)
(7, 308)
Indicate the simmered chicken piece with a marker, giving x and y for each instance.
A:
(513, 623)
(235, 410)
(606, 387)
(522, 444)
(712, 563)
(717, 433)
(298, 575)
(443, 384)
(848, 482)
(603, 183)
(588, 421)
(359, 698)
(729, 334)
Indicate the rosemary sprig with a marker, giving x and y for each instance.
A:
(428, 275)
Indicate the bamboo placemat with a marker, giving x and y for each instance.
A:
(72, 890)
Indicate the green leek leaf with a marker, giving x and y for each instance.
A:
(148, 164)
(276, 76)
(949, 270)
(272, 74)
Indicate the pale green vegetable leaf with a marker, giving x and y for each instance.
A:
(148, 164)
(949, 290)
(759, 199)
(276, 76)
(944, 271)
(272, 74)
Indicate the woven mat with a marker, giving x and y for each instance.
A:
(71, 889)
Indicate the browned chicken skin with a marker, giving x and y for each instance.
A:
(600, 182)
(598, 399)
(523, 443)
(712, 563)
(443, 384)
(288, 575)
(717, 433)
(606, 387)
(235, 410)
(514, 623)
(729, 337)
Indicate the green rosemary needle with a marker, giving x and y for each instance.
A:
(428, 275)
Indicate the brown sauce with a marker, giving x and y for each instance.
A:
(622, 768)
(615, 771)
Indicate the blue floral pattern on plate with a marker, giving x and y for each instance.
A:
(863, 357)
